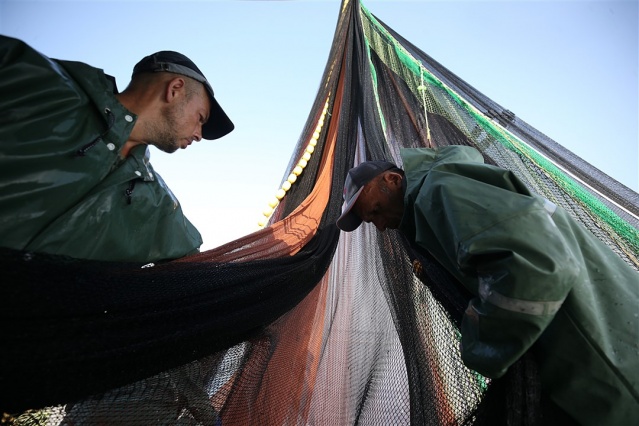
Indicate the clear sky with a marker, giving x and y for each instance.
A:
(569, 68)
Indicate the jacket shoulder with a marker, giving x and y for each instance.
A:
(426, 158)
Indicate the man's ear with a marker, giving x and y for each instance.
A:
(393, 178)
(174, 89)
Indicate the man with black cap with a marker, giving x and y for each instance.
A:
(74, 161)
(542, 282)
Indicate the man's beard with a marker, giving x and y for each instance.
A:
(164, 135)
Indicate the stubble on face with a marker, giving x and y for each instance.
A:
(164, 133)
(381, 204)
(393, 205)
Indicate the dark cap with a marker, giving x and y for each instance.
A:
(219, 123)
(356, 179)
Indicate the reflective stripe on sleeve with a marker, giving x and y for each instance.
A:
(550, 206)
(516, 305)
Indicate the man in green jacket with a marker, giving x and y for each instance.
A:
(541, 281)
(75, 180)
(75, 177)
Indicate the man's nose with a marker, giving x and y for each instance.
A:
(197, 135)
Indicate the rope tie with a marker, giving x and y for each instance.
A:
(422, 88)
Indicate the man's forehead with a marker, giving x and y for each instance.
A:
(357, 207)
(364, 198)
(207, 116)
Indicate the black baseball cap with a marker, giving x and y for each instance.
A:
(356, 179)
(219, 124)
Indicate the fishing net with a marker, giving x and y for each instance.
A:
(298, 323)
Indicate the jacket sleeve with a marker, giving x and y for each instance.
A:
(501, 242)
(524, 271)
(44, 119)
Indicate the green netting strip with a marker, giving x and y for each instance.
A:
(380, 37)
(374, 79)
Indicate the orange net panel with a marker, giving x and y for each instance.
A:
(297, 323)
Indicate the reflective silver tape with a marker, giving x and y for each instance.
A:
(517, 305)
(550, 206)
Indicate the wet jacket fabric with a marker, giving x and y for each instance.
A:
(541, 280)
(64, 188)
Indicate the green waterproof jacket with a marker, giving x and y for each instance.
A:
(541, 280)
(64, 188)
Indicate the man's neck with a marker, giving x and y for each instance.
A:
(128, 146)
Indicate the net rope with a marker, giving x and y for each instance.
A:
(297, 323)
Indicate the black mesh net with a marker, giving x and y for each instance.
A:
(297, 323)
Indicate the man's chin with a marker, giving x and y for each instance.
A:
(393, 225)
(169, 149)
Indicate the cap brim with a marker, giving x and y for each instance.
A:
(219, 124)
(349, 221)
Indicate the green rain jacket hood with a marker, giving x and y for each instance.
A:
(64, 189)
(541, 281)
